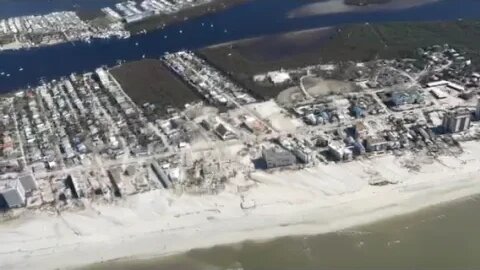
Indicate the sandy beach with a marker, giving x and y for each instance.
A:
(310, 201)
(338, 6)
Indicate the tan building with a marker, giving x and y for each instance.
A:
(456, 121)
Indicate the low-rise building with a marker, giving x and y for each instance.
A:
(361, 131)
(276, 157)
(279, 77)
(340, 151)
(224, 133)
(376, 144)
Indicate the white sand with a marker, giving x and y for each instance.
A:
(312, 201)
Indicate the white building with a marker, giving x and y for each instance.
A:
(451, 85)
(339, 151)
(278, 77)
(456, 121)
(12, 194)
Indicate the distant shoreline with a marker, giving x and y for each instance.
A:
(160, 21)
(150, 24)
(344, 6)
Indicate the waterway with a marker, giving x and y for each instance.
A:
(441, 237)
(254, 18)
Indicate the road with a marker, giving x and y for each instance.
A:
(302, 86)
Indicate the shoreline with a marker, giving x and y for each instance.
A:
(454, 199)
(323, 199)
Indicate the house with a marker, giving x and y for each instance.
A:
(224, 133)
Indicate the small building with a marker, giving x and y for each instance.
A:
(400, 98)
(253, 125)
(376, 144)
(438, 93)
(139, 17)
(279, 77)
(304, 154)
(161, 175)
(361, 131)
(276, 157)
(131, 170)
(451, 85)
(339, 151)
(456, 87)
(115, 176)
(437, 83)
(12, 194)
(224, 133)
(456, 121)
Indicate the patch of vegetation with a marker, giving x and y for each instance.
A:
(360, 42)
(149, 81)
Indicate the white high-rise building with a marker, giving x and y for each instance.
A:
(477, 111)
(457, 121)
(12, 194)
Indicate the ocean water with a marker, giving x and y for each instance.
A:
(264, 17)
(441, 237)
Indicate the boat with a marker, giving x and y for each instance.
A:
(180, 31)
(8, 75)
(136, 43)
(20, 69)
(2, 73)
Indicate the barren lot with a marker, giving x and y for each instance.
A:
(150, 81)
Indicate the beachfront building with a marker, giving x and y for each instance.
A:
(12, 194)
(477, 110)
(28, 182)
(275, 157)
(456, 121)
